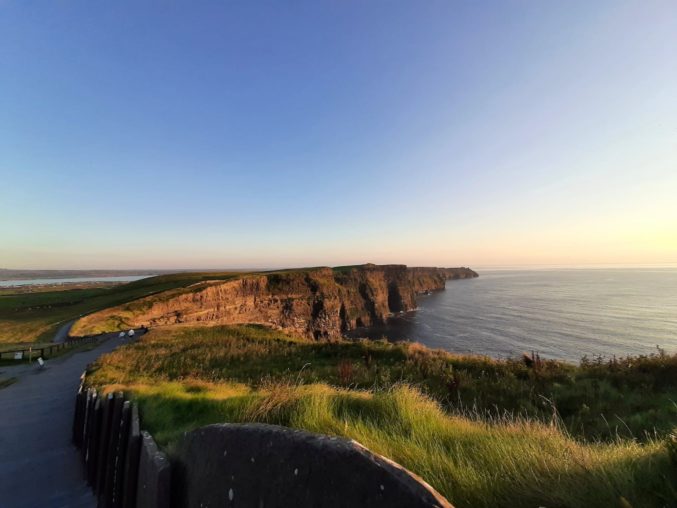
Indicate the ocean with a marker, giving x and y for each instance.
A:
(562, 314)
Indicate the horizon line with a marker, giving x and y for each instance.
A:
(528, 266)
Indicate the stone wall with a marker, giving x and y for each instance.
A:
(270, 466)
(239, 465)
(122, 464)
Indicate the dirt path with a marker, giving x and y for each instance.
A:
(38, 464)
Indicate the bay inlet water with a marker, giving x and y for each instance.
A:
(70, 280)
(562, 314)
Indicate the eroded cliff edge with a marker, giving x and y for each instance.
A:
(318, 302)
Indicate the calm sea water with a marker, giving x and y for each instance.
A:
(74, 280)
(562, 314)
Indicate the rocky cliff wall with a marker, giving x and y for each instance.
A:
(317, 303)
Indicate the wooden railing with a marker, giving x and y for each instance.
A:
(43, 350)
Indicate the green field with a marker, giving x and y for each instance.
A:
(483, 432)
(29, 317)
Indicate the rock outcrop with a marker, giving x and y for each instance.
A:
(321, 303)
(267, 465)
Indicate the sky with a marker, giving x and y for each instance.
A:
(221, 134)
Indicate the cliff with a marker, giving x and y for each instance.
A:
(320, 303)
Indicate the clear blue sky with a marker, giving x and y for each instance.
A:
(250, 134)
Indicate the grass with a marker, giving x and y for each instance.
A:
(410, 404)
(30, 317)
(632, 398)
(48, 288)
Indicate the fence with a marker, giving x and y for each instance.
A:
(122, 464)
(43, 351)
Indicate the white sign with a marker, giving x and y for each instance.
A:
(19, 355)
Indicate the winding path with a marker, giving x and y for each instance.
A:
(62, 333)
(39, 466)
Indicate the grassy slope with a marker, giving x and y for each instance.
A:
(595, 400)
(392, 398)
(28, 317)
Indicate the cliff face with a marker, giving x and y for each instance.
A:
(317, 303)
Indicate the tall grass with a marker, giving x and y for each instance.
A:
(633, 398)
(408, 404)
(474, 463)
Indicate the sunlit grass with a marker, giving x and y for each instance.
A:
(500, 462)
(395, 399)
(596, 400)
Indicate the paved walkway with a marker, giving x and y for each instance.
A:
(39, 466)
(62, 333)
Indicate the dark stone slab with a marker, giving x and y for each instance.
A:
(89, 423)
(120, 455)
(153, 489)
(131, 468)
(103, 439)
(106, 495)
(273, 467)
(86, 423)
(79, 417)
(93, 440)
